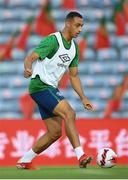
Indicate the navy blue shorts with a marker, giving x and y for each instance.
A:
(47, 100)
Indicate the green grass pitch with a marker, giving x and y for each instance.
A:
(65, 172)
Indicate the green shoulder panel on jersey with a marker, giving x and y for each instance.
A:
(47, 47)
(75, 61)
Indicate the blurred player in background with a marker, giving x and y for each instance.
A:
(54, 55)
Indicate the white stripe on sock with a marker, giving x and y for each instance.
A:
(79, 152)
(28, 157)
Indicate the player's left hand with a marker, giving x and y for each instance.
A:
(87, 104)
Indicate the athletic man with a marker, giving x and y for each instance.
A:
(54, 55)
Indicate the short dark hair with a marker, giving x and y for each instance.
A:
(73, 14)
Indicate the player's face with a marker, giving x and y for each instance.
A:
(76, 25)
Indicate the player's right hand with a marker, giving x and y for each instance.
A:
(27, 73)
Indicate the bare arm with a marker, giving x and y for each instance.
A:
(76, 84)
(28, 64)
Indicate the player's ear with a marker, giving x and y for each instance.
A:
(68, 23)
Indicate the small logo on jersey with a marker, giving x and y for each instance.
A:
(61, 65)
(58, 93)
(64, 58)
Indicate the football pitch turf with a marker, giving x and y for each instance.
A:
(65, 172)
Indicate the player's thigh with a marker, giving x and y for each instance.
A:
(47, 100)
(64, 110)
(54, 125)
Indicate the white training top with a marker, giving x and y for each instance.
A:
(51, 70)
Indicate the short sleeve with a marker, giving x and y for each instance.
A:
(47, 46)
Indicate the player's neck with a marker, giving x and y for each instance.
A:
(66, 35)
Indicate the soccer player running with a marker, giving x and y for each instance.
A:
(54, 55)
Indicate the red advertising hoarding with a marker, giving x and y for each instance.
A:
(18, 136)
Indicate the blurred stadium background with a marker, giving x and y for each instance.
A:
(103, 71)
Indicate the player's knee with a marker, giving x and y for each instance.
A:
(71, 115)
(55, 134)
